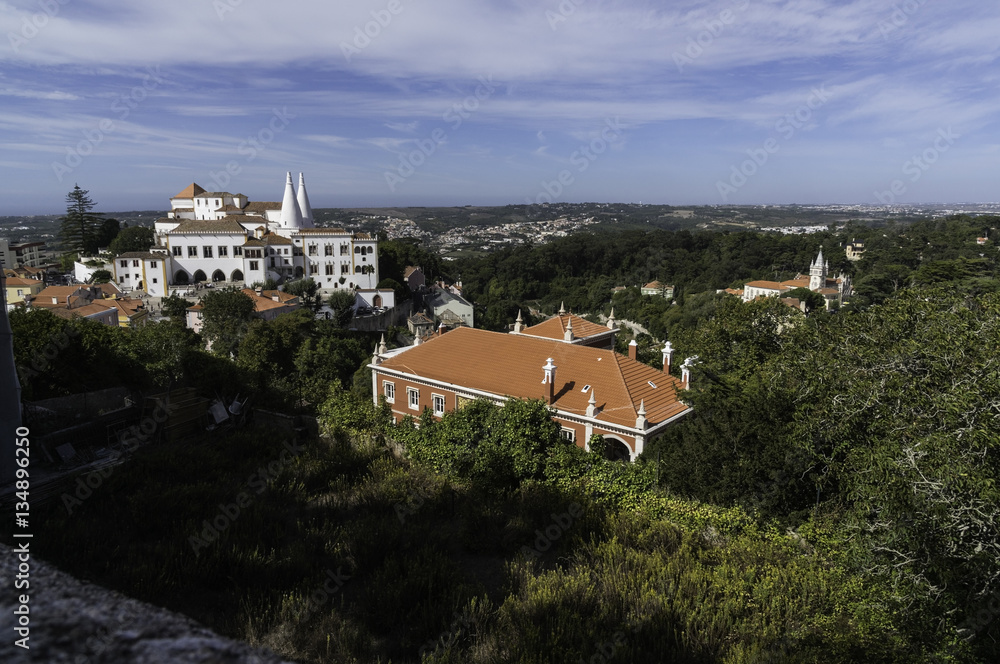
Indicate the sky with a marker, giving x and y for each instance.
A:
(489, 102)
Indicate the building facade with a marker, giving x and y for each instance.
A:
(589, 390)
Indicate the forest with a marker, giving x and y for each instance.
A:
(834, 496)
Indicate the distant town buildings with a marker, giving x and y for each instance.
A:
(655, 288)
(25, 254)
(835, 291)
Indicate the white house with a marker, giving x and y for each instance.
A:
(143, 270)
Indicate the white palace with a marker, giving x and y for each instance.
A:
(219, 236)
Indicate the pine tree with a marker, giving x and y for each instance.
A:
(80, 227)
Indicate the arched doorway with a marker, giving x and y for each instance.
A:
(181, 277)
(377, 301)
(615, 449)
(237, 275)
(199, 276)
(218, 275)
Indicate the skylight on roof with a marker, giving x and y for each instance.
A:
(651, 384)
(585, 388)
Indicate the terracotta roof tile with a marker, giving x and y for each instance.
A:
(511, 365)
(769, 285)
(555, 328)
(226, 225)
(190, 191)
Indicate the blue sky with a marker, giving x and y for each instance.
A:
(454, 102)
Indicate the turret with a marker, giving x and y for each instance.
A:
(305, 209)
(291, 216)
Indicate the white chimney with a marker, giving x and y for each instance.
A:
(668, 357)
(568, 334)
(592, 404)
(640, 421)
(550, 378)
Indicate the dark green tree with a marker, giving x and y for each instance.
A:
(306, 290)
(227, 314)
(176, 307)
(79, 229)
(100, 277)
(136, 238)
(342, 304)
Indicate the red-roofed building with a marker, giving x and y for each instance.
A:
(590, 390)
(834, 291)
(571, 329)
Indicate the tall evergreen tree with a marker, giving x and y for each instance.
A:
(81, 227)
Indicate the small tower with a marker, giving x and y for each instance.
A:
(302, 198)
(568, 334)
(519, 323)
(592, 404)
(382, 348)
(640, 421)
(612, 323)
(562, 308)
(817, 272)
(291, 216)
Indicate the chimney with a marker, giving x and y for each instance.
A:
(382, 348)
(668, 356)
(276, 297)
(519, 323)
(611, 319)
(568, 334)
(592, 404)
(442, 329)
(686, 371)
(260, 291)
(633, 350)
(550, 379)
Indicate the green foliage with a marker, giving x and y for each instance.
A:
(342, 304)
(176, 307)
(306, 290)
(100, 277)
(814, 301)
(227, 314)
(81, 229)
(136, 238)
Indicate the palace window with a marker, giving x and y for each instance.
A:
(413, 397)
(568, 435)
(438, 404)
(389, 389)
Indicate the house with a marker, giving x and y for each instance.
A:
(854, 250)
(17, 289)
(443, 304)
(84, 269)
(414, 278)
(221, 236)
(374, 298)
(420, 326)
(142, 270)
(267, 305)
(571, 329)
(75, 302)
(835, 291)
(656, 288)
(589, 390)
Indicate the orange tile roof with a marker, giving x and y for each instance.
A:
(17, 281)
(555, 328)
(190, 191)
(264, 302)
(511, 365)
(262, 206)
(225, 225)
(796, 283)
(769, 285)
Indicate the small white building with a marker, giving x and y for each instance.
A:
(143, 270)
(83, 272)
(372, 298)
